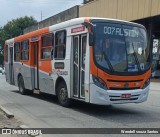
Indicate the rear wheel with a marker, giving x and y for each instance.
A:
(63, 95)
(21, 86)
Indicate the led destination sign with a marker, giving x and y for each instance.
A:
(120, 31)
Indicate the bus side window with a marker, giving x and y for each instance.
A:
(84, 41)
(47, 46)
(25, 50)
(60, 45)
(17, 52)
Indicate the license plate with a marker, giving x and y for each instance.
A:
(126, 96)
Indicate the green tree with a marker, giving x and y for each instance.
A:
(12, 29)
(2, 39)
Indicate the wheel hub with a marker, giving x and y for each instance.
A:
(63, 94)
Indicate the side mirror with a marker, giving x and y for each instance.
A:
(91, 39)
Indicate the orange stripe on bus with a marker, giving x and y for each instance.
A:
(106, 77)
(93, 68)
(45, 65)
(31, 34)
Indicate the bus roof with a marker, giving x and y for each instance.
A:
(78, 21)
(72, 22)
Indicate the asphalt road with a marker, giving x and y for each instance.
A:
(43, 111)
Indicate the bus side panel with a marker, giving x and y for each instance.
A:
(17, 67)
(67, 65)
(25, 71)
(65, 72)
(7, 72)
(46, 83)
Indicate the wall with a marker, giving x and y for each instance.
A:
(121, 9)
(60, 17)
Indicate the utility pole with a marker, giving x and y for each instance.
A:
(40, 20)
(41, 15)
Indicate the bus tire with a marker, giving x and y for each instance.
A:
(62, 95)
(21, 86)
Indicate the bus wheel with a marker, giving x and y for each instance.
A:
(21, 86)
(63, 95)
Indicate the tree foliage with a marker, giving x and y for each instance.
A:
(12, 29)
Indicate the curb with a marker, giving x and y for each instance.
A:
(23, 126)
(7, 113)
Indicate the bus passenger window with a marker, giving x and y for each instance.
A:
(25, 50)
(17, 52)
(47, 46)
(46, 53)
(84, 40)
(60, 45)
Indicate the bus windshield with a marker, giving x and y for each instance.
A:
(121, 48)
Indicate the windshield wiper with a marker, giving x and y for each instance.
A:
(136, 58)
(107, 60)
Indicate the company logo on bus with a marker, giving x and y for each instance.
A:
(78, 29)
(126, 85)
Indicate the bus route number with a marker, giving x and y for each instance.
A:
(120, 32)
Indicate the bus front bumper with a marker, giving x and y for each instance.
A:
(107, 97)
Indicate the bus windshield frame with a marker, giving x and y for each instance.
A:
(121, 48)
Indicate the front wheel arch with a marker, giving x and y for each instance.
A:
(62, 93)
(58, 81)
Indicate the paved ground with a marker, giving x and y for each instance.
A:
(44, 111)
(155, 86)
(5, 122)
(155, 80)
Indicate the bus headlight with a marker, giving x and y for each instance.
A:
(99, 82)
(146, 83)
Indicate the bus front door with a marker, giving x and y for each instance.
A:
(79, 66)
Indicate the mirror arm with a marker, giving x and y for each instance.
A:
(91, 36)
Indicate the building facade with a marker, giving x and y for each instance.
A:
(121, 9)
(60, 17)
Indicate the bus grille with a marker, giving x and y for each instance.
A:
(111, 88)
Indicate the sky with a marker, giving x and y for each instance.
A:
(12, 9)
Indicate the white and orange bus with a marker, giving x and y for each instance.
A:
(95, 60)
